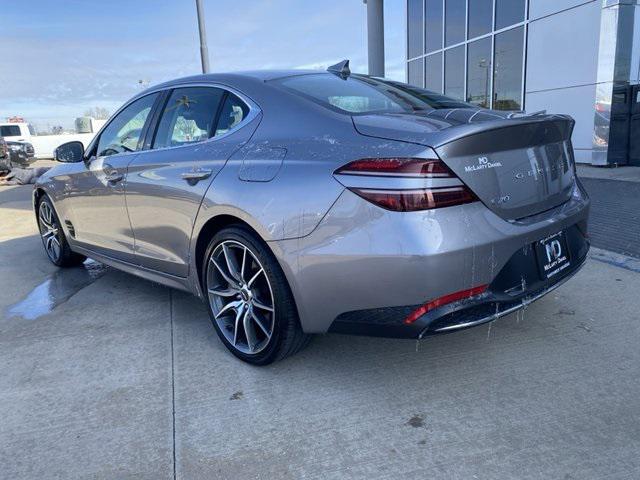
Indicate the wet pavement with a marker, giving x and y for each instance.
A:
(56, 289)
(105, 375)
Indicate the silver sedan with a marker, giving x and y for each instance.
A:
(301, 202)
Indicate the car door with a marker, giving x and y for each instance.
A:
(97, 209)
(199, 128)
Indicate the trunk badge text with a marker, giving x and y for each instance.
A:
(483, 164)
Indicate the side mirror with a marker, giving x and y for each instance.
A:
(70, 152)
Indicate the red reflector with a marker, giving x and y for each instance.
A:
(414, 200)
(438, 302)
(401, 167)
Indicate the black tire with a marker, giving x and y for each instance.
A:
(66, 257)
(287, 337)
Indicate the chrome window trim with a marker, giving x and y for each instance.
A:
(254, 111)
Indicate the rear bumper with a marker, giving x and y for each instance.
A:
(364, 269)
(515, 287)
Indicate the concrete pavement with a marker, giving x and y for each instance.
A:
(116, 377)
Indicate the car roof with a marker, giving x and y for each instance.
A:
(260, 75)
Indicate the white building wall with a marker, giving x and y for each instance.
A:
(562, 64)
(635, 55)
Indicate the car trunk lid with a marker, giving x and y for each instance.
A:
(517, 166)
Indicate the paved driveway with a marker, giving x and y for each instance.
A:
(108, 376)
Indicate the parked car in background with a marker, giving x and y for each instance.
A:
(4, 156)
(4, 149)
(44, 145)
(21, 154)
(17, 132)
(300, 202)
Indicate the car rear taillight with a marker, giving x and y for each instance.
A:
(398, 167)
(401, 197)
(415, 200)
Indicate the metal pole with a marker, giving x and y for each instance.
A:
(204, 51)
(375, 37)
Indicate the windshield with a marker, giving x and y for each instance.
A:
(359, 94)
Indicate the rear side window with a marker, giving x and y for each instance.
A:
(189, 116)
(233, 112)
(195, 114)
(359, 94)
(10, 131)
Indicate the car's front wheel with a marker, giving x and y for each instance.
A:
(250, 303)
(53, 238)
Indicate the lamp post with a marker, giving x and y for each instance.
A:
(204, 51)
(484, 63)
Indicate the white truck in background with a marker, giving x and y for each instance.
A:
(44, 145)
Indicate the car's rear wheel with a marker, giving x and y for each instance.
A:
(250, 303)
(53, 238)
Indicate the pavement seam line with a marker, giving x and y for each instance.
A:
(173, 389)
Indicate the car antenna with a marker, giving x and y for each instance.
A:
(341, 68)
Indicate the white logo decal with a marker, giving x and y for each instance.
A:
(554, 250)
(483, 164)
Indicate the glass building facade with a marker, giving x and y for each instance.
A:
(472, 50)
(575, 57)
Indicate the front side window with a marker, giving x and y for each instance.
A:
(189, 116)
(123, 134)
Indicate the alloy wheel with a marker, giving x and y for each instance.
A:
(49, 231)
(240, 296)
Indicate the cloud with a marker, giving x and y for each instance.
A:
(66, 59)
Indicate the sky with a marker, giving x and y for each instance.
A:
(62, 57)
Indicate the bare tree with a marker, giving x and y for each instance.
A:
(99, 113)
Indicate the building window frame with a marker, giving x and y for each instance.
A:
(492, 34)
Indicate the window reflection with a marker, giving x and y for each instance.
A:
(416, 72)
(454, 73)
(414, 27)
(433, 25)
(488, 71)
(455, 19)
(480, 17)
(433, 73)
(479, 72)
(507, 79)
(509, 12)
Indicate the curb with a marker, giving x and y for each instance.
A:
(615, 259)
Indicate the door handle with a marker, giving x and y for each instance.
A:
(194, 176)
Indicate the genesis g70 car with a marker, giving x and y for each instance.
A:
(301, 202)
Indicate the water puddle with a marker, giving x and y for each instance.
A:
(56, 289)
